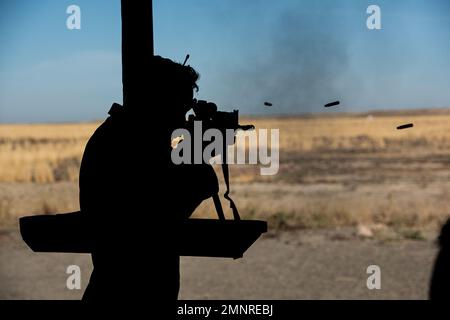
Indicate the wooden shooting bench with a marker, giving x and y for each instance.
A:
(64, 232)
(198, 237)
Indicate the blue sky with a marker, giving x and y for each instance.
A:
(297, 54)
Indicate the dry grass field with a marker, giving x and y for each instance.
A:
(351, 191)
(335, 171)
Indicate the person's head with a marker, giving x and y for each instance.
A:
(172, 80)
(169, 88)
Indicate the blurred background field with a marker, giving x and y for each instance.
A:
(336, 170)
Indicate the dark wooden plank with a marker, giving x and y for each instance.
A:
(196, 237)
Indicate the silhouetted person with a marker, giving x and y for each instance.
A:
(440, 280)
(131, 194)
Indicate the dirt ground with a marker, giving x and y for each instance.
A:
(301, 264)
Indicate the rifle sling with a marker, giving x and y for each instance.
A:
(226, 194)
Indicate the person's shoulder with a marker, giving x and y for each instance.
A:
(116, 110)
(113, 122)
(105, 131)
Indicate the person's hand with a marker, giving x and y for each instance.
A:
(194, 183)
(205, 182)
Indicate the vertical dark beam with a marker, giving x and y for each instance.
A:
(137, 45)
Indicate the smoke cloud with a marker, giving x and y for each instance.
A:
(299, 70)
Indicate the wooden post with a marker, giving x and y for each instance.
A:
(137, 44)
